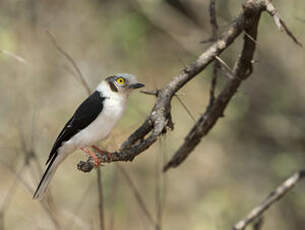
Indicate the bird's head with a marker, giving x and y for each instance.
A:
(123, 83)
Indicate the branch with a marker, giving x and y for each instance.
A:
(14, 56)
(188, 111)
(71, 61)
(159, 120)
(214, 25)
(279, 22)
(229, 71)
(242, 70)
(274, 196)
(258, 225)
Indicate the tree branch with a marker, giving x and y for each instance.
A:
(160, 120)
(274, 196)
(279, 22)
(206, 122)
(214, 25)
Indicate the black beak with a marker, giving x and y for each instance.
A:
(136, 86)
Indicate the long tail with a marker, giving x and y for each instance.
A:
(47, 177)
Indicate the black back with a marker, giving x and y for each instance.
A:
(83, 116)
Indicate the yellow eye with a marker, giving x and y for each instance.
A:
(120, 80)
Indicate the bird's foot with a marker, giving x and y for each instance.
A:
(109, 155)
(87, 151)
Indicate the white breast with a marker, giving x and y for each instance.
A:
(113, 108)
(101, 127)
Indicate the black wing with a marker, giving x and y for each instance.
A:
(83, 116)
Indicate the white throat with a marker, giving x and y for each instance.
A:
(106, 92)
(114, 103)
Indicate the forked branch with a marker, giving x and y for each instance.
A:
(160, 119)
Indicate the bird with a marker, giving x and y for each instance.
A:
(92, 122)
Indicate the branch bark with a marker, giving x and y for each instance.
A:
(241, 71)
(159, 120)
(214, 26)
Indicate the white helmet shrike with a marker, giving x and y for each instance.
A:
(92, 122)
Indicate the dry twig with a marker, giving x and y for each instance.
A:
(161, 184)
(242, 70)
(258, 224)
(137, 195)
(214, 25)
(30, 155)
(274, 196)
(14, 56)
(100, 199)
(188, 111)
(279, 22)
(113, 199)
(228, 69)
(71, 61)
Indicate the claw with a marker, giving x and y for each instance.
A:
(102, 152)
(87, 151)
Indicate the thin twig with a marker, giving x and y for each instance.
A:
(188, 111)
(213, 19)
(11, 191)
(15, 56)
(30, 154)
(279, 22)
(100, 198)
(258, 225)
(69, 222)
(158, 201)
(19, 177)
(1, 220)
(251, 38)
(113, 198)
(209, 40)
(274, 196)
(161, 184)
(137, 195)
(30, 190)
(214, 26)
(226, 66)
(71, 61)
(153, 92)
(300, 19)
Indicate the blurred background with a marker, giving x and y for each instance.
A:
(258, 143)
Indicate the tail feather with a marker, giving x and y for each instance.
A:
(47, 177)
